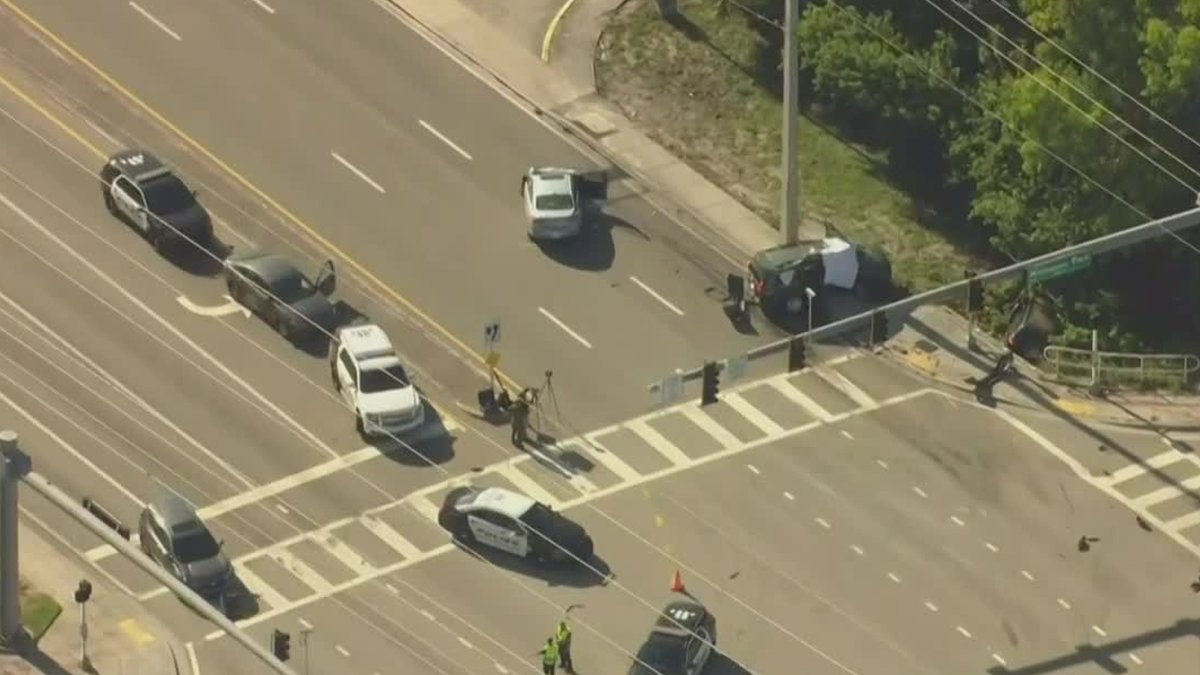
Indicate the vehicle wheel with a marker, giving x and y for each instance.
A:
(159, 240)
(282, 325)
(358, 426)
(462, 532)
(110, 204)
(235, 291)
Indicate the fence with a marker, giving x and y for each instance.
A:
(1112, 369)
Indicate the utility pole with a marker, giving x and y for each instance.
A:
(13, 465)
(790, 211)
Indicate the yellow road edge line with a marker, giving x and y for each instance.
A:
(330, 246)
(551, 30)
(52, 117)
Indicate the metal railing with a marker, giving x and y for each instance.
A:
(1069, 365)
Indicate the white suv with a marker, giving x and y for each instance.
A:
(370, 377)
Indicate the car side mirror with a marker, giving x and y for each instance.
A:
(326, 279)
(220, 543)
(195, 194)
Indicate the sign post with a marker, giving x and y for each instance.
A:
(491, 338)
(1061, 268)
(82, 594)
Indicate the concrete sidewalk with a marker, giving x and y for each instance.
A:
(123, 638)
(933, 341)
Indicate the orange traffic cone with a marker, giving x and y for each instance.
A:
(677, 583)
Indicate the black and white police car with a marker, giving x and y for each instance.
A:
(513, 523)
(680, 643)
(142, 191)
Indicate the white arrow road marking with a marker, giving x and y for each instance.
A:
(230, 307)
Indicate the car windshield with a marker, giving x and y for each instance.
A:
(292, 286)
(540, 518)
(197, 545)
(167, 194)
(663, 653)
(556, 202)
(383, 379)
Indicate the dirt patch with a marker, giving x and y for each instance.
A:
(703, 89)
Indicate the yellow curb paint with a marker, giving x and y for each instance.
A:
(1075, 406)
(922, 361)
(135, 632)
(552, 29)
(320, 239)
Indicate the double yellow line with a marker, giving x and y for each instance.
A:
(158, 117)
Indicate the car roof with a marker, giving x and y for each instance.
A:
(504, 502)
(680, 618)
(551, 182)
(139, 165)
(175, 514)
(269, 266)
(366, 341)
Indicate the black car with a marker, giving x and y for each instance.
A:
(514, 523)
(173, 535)
(142, 191)
(780, 275)
(270, 286)
(680, 643)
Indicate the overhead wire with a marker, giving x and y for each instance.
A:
(1082, 64)
(333, 340)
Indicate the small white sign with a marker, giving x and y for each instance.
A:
(491, 336)
(671, 389)
(735, 368)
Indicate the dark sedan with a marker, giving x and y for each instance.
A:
(273, 288)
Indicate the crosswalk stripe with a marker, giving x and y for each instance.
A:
(349, 557)
(526, 484)
(793, 394)
(711, 427)
(659, 442)
(1165, 493)
(1184, 522)
(597, 451)
(1142, 468)
(259, 587)
(424, 507)
(843, 384)
(752, 414)
(301, 570)
(390, 536)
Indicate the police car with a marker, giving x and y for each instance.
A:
(680, 643)
(513, 523)
(368, 373)
(140, 190)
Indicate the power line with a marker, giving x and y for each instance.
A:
(1136, 101)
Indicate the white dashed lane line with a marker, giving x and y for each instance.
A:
(362, 175)
(958, 521)
(790, 497)
(565, 328)
(266, 8)
(1027, 574)
(882, 464)
(152, 19)
(753, 469)
(429, 616)
(857, 550)
(445, 139)
(893, 577)
(464, 642)
(823, 523)
(999, 659)
(654, 294)
(1064, 603)
(342, 650)
(1134, 657)
(306, 625)
(920, 492)
(930, 606)
(1099, 631)
(847, 435)
(991, 547)
(963, 631)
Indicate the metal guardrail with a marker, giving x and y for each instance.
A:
(1084, 366)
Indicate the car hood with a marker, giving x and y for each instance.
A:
(317, 308)
(556, 214)
(401, 399)
(208, 571)
(192, 220)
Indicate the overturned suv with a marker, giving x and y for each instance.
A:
(780, 275)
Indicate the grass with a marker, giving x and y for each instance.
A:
(38, 611)
(695, 89)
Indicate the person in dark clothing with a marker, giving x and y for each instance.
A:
(520, 421)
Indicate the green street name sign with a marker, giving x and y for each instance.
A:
(1061, 267)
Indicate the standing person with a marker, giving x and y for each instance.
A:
(520, 421)
(549, 656)
(563, 638)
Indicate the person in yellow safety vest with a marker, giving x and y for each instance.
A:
(549, 656)
(563, 637)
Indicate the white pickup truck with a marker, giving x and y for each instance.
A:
(369, 375)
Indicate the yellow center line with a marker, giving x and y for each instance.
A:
(158, 117)
(66, 128)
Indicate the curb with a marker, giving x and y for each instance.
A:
(1103, 419)
(552, 30)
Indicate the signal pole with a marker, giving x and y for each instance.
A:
(790, 209)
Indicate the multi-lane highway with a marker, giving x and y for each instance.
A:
(848, 519)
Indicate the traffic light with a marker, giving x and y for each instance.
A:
(281, 645)
(796, 354)
(974, 294)
(879, 328)
(710, 377)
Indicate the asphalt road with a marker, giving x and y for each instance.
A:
(355, 124)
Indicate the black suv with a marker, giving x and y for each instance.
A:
(779, 275)
(140, 190)
(173, 535)
(680, 643)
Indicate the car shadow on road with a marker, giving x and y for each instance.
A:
(207, 264)
(45, 664)
(568, 575)
(595, 249)
(720, 664)
(242, 603)
(432, 443)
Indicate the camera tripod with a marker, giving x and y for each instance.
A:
(546, 389)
